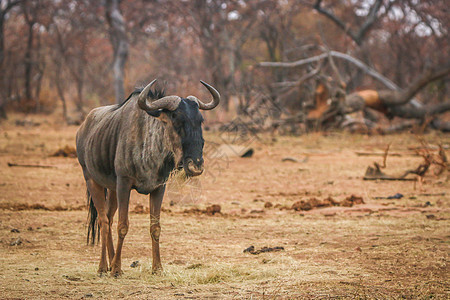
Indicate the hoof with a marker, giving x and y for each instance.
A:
(116, 273)
(102, 271)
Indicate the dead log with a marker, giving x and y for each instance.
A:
(440, 125)
(398, 127)
(376, 174)
(392, 103)
(411, 112)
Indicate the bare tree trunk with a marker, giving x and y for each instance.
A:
(2, 55)
(28, 60)
(3, 11)
(119, 41)
(40, 68)
(60, 90)
(79, 102)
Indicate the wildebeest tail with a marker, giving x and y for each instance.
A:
(93, 225)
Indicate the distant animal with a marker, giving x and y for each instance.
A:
(136, 145)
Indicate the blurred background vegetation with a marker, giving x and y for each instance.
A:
(66, 57)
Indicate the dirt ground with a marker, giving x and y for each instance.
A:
(385, 248)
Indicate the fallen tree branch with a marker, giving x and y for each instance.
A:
(440, 125)
(368, 70)
(377, 154)
(403, 96)
(410, 112)
(385, 155)
(29, 166)
(376, 174)
(333, 53)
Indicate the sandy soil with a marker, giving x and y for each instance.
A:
(385, 248)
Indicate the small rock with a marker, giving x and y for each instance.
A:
(213, 209)
(396, 196)
(358, 249)
(249, 249)
(30, 228)
(268, 204)
(36, 269)
(88, 295)
(16, 242)
(15, 230)
(135, 264)
(301, 205)
(352, 200)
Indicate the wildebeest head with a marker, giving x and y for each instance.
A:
(182, 115)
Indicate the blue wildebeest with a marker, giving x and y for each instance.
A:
(135, 145)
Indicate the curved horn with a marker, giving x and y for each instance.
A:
(168, 102)
(210, 105)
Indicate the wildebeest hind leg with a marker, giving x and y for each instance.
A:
(98, 197)
(111, 204)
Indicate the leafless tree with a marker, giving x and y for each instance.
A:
(119, 41)
(5, 7)
(357, 35)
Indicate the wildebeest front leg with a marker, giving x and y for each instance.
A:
(156, 198)
(112, 208)
(123, 197)
(98, 197)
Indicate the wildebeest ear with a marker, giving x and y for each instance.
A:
(155, 113)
